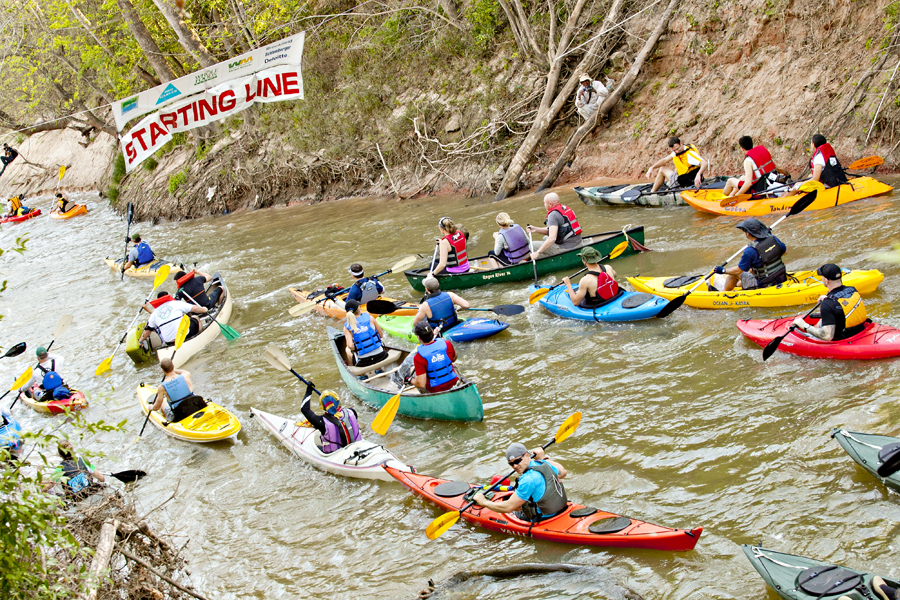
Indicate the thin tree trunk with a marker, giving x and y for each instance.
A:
(611, 100)
(187, 37)
(452, 13)
(148, 45)
(8, 122)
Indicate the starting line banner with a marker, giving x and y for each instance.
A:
(214, 104)
(287, 51)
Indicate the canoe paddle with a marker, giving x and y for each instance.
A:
(799, 206)
(161, 276)
(444, 522)
(60, 328)
(541, 292)
(531, 248)
(22, 380)
(62, 171)
(772, 346)
(184, 327)
(15, 350)
(278, 360)
(129, 214)
(227, 331)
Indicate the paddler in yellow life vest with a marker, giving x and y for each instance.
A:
(690, 168)
(16, 208)
(62, 204)
(842, 309)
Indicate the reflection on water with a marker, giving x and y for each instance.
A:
(684, 425)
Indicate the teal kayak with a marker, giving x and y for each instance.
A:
(870, 451)
(627, 306)
(466, 330)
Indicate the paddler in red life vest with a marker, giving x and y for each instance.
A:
(843, 312)
(759, 171)
(141, 254)
(563, 231)
(451, 248)
(433, 361)
(539, 493)
(178, 389)
(510, 243)
(338, 427)
(824, 164)
(690, 167)
(598, 287)
(363, 343)
(438, 308)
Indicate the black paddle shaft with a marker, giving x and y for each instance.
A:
(129, 216)
(772, 346)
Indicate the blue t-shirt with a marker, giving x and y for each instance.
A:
(531, 484)
(356, 289)
(750, 258)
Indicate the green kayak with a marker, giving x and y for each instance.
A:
(798, 578)
(868, 449)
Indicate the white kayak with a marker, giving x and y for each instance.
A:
(361, 459)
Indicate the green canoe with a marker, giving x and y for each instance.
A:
(462, 403)
(482, 274)
(798, 578)
(864, 448)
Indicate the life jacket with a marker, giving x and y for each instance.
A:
(772, 269)
(516, 242)
(607, 289)
(833, 173)
(442, 312)
(554, 499)
(51, 381)
(369, 289)
(440, 368)
(344, 426)
(44, 369)
(9, 434)
(762, 162)
(14, 205)
(365, 337)
(144, 254)
(457, 256)
(76, 475)
(177, 390)
(161, 300)
(851, 303)
(681, 159)
(568, 229)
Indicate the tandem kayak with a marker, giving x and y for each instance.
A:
(802, 287)
(480, 272)
(467, 330)
(799, 578)
(76, 401)
(335, 307)
(613, 194)
(461, 403)
(578, 524)
(627, 306)
(36, 212)
(870, 450)
(711, 201)
(361, 459)
(79, 209)
(210, 424)
(147, 271)
(874, 341)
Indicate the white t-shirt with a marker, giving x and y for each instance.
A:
(38, 375)
(166, 319)
(819, 160)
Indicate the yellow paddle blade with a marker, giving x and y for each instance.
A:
(618, 250)
(404, 264)
(302, 308)
(568, 428)
(161, 275)
(866, 163)
(277, 358)
(537, 295)
(62, 171)
(183, 327)
(811, 186)
(22, 380)
(440, 525)
(386, 415)
(104, 366)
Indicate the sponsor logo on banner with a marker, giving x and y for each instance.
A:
(129, 104)
(205, 76)
(170, 92)
(240, 64)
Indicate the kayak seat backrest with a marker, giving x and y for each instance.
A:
(392, 356)
(635, 300)
(187, 407)
(889, 456)
(609, 525)
(451, 489)
(676, 282)
(828, 580)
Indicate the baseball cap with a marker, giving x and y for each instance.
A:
(351, 305)
(515, 451)
(589, 254)
(41, 351)
(135, 236)
(829, 271)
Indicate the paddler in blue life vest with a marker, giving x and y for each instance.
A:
(140, 255)
(339, 426)
(760, 265)
(598, 287)
(363, 343)
(41, 376)
(437, 307)
(539, 494)
(563, 231)
(433, 361)
(452, 255)
(178, 389)
(760, 172)
(690, 167)
(825, 165)
(364, 289)
(842, 309)
(510, 243)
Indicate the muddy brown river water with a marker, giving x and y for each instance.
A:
(684, 425)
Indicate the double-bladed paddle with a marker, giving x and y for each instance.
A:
(384, 307)
(869, 162)
(772, 346)
(128, 476)
(278, 360)
(184, 326)
(161, 274)
(444, 522)
(129, 215)
(227, 331)
(61, 326)
(541, 292)
(806, 186)
(799, 206)
(633, 194)
(22, 380)
(15, 350)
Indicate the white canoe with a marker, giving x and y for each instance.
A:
(361, 459)
(209, 333)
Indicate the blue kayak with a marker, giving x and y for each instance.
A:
(466, 330)
(627, 306)
(9, 435)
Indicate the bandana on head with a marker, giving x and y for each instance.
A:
(330, 403)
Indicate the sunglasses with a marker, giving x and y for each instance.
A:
(513, 463)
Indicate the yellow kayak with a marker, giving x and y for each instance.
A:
(212, 424)
(147, 271)
(802, 287)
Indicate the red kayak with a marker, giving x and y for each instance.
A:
(874, 341)
(577, 525)
(24, 217)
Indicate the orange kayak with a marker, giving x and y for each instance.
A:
(335, 308)
(80, 209)
(710, 201)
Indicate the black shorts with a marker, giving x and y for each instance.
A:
(687, 179)
(500, 259)
(370, 360)
(194, 329)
